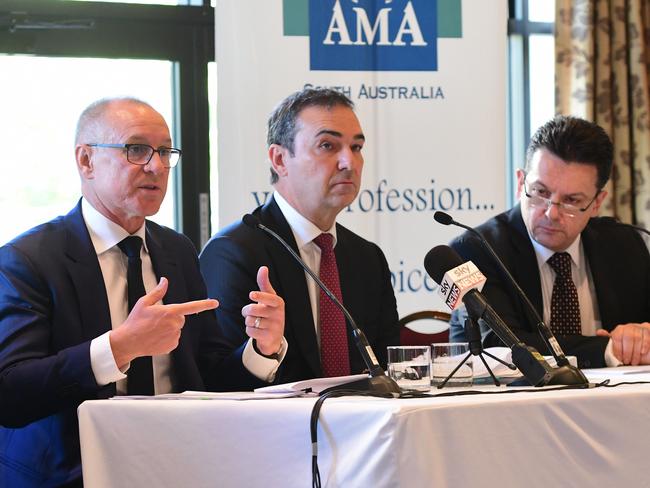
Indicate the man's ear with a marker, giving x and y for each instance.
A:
(277, 156)
(520, 174)
(595, 207)
(84, 157)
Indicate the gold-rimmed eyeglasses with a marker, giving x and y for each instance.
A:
(539, 197)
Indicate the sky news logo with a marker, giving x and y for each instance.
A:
(373, 35)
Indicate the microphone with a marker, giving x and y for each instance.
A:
(378, 381)
(543, 329)
(458, 281)
(461, 281)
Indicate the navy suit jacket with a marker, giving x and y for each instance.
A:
(619, 263)
(53, 302)
(229, 264)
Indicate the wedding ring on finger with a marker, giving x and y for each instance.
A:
(256, 324)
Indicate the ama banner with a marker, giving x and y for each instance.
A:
(428, 78)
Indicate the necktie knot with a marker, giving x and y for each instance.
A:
(325, 241)
(131, 246)
(561, 264)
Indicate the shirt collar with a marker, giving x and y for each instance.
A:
(543, 253)
(104, 233)
(303, 229)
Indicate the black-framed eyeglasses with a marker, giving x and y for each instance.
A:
(537, 199)
(141, 154)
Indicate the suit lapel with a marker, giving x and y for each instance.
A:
(526, 271)
(292, 287)
(601, 276)
(352, 289)
(86, 276)
(164, 265)
(349, 276)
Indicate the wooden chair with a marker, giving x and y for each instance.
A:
(434, 327)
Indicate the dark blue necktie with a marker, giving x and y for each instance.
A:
(140, 374)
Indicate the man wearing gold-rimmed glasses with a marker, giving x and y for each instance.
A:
(587, 276)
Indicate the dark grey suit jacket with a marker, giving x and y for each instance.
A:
(620, 267)
(229, 264)
(53, 302)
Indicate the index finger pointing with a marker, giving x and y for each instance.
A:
(189, 308)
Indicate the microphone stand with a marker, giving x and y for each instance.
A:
(569, 373)
(473, 336)
(377, 381)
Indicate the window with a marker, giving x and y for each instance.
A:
(40, 175)
(531, 75)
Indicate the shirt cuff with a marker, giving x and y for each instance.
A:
(102, 361)
(611, 360)
(261, 367)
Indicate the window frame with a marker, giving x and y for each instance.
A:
(519, 31)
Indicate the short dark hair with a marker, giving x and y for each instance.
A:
(282, 121)
(575, 140)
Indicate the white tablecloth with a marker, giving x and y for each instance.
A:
(594, 437)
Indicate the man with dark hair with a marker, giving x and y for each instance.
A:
(314, 145)
(587, 276)
(102, 301)
(282, 122)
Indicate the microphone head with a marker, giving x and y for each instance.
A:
(439, 260)
(251, 221)
(443, 218)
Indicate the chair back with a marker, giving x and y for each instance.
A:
(424, 328)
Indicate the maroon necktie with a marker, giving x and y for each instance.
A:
(565, 309)
(334, 356)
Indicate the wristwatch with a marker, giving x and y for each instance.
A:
(275, 355)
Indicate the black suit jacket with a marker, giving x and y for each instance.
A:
(52, 304)
(620, 267)
(229, 264)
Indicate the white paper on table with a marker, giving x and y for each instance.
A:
(618, 371)
(207, 395)
(315, 385)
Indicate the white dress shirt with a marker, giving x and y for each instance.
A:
(581, 275)
(105, 235)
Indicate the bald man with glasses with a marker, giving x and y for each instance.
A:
(102, 301)
(587, 276)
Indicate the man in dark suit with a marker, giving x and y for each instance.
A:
(602, 315)
(315, 143)
(68, 332)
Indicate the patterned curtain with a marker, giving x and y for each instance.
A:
(602, 52)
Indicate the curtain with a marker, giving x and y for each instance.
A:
(602, 50)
